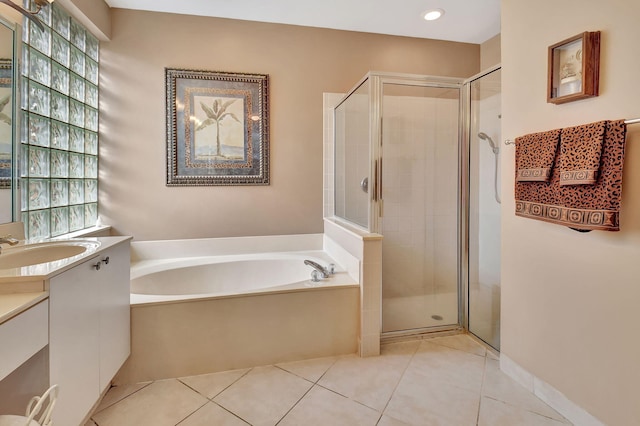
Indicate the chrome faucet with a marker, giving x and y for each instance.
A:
(8, 240)
(323, 272)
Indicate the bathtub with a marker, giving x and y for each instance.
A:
(206, 312)
(208, 277)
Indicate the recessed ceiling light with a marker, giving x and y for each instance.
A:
(432, 15)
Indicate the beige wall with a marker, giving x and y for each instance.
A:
(569, 299)
(490, 52)
(302, 64)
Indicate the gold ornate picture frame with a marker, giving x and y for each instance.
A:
(217, 128)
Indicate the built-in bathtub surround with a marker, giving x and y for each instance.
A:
(207, 305)
(344, 241)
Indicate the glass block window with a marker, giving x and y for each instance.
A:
(59, 125)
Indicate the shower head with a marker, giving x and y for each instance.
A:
(487, 138)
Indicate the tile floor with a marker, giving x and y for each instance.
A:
(441, 381)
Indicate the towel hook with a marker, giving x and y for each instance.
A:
(509, 142)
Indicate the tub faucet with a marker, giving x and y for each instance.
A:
(324, 272)
(8, 240)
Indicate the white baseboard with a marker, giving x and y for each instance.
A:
(547, 393)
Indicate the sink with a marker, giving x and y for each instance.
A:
(33, 254)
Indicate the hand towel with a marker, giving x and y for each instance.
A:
(535, 153)
(580, 207)
(580, 151)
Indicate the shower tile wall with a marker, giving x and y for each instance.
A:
(419, 225)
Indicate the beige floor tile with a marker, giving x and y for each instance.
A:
(370, 381)
(442, 364)
(164, 402)
(498, 385)
(212, 414)
(264, 395)
(322, 407)
(390, 421)
(399, 351)
(498, 413)
(117, 393)
(461, 342)
(212, 384)
(418, 401)
(90, 423)
(311, 369)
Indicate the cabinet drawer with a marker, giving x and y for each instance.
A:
(22, 336)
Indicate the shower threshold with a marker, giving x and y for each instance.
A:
(421, 333)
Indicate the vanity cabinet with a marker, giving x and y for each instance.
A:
(89, 331)
(22, 336)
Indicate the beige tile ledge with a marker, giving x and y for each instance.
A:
(353, 230)
(94, 231)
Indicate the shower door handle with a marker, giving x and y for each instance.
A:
(375, 180)
(364, 185)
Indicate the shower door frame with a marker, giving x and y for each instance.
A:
(466, 183)
(377, 80)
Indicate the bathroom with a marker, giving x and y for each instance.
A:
(568, 300)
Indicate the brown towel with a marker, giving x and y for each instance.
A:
(580, 151)
(534, 155)
(581, 207)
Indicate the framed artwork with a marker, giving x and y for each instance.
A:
(574, 67)
(217, 128)
(6, 127)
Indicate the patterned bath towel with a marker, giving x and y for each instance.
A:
(581, 207)
(580, 151)
(535, 154)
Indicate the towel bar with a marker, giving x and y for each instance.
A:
(627, 122)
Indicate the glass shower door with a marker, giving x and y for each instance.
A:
(484, 208)
(419, 207)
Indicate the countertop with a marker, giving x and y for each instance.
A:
(44, 271)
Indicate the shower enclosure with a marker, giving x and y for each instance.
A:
(402, 153)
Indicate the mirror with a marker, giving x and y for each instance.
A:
(7, 120)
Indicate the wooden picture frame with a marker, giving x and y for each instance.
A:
(217, 128)
(574, 68)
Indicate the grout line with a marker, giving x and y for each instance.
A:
(231, 412)
(484, 376)
(117, 401)
(294, 405)
(521, 408)
(304, 378)
(227, 387)
(401, 377)
(193, 412)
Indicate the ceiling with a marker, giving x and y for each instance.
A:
(470, 21)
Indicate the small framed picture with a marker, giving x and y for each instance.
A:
(574, 66)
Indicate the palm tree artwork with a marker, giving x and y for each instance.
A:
(220, 113)
(4, 117)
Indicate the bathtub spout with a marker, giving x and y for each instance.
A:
(325, 272)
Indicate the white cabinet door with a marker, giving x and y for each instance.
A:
(74, 341)
(89, 331)
(115, 341)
